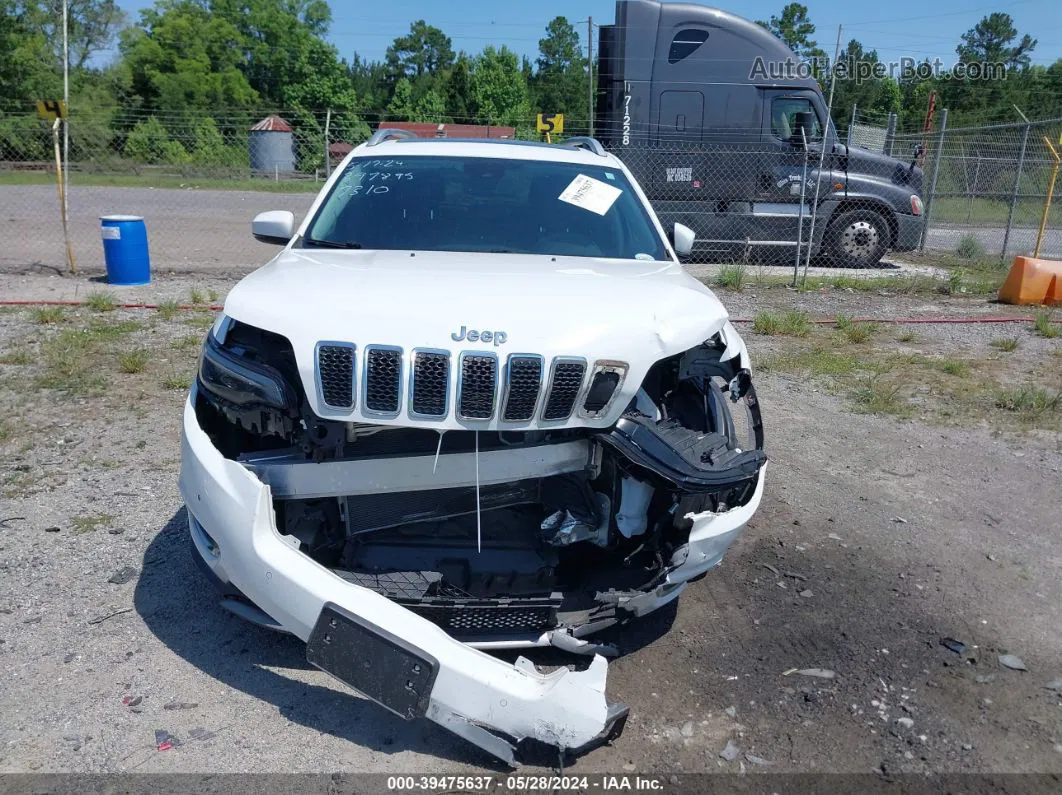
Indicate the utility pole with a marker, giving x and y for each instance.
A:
(66, 101)
(590, 75)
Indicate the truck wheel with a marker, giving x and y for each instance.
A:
(857, 239)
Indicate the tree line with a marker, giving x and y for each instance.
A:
(201, 64)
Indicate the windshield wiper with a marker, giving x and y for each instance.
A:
(312, 241)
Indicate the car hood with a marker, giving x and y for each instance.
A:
(865, 161)
(632, 311)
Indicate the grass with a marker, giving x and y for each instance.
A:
(979, 212)
(842, 322)
(859, 333)
(1006, 344)
(200, 320)
(178, 381)
(1029, 401)
(1043, 326)
(18, 356)
(134, 361)
(5, 434)
(168, 310)
(48, 315)
(790, 324)
(955, 367)
(196, 296)
(89, 523)
(213, 296)
(74, 359)
(100, 302)
(187, 342)
(906, 336)
(970, 247)
(731, 277)
(818, 361)
(877, 394)
(157, 180)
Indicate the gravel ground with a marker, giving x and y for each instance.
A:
(202, 230)
(877, 538)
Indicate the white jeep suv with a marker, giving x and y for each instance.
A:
(474, 403)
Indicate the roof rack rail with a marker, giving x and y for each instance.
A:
(389, 134)
(588, 143)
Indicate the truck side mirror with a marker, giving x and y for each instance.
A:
(274, 226)
(803, 120)
(682, 238)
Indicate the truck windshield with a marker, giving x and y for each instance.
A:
(485, 205)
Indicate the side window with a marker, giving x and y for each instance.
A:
(784, 112)
(686, 43)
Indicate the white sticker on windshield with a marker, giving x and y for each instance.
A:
(590, 194)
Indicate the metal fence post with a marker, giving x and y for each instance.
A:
(327, 156)
(890, 134)
(933, 179)
(851, 125)
(822, 154)
(1017, 187)
(803, 200)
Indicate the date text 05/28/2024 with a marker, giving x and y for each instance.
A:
(543, 783)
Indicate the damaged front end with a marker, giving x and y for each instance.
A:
(397, 549)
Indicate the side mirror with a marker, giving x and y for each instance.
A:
(682, 239)
(802, 121)
(276, 227)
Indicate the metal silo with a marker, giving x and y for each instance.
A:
(271, 145)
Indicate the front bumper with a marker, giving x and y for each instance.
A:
(487, 701)
(908, 232)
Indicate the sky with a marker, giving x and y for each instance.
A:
(900, 28)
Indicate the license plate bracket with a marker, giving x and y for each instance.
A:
(385, 668)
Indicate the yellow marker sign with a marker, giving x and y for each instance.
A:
(51, 109)
(550, 123)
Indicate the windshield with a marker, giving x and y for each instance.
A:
(485, 205)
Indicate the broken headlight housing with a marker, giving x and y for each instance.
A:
(240, 382)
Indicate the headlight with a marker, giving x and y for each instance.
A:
(916, 204)
(241, 382)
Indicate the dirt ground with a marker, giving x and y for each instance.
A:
(913, 495)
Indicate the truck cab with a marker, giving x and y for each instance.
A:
(717, 118)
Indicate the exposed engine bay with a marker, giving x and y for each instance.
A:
(495, 535)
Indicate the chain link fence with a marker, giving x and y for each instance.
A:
(748, 195)
(986, 187)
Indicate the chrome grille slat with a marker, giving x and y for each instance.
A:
(383, 379)
(429, 385)
(335, 374)
(477, 385)
(566, 380)
(523, 382)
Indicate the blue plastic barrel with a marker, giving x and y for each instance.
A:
(125, 249)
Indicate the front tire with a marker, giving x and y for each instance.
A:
(857, 239)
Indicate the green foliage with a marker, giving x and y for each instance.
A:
(183, 57)
(499, 88)
(731, 277)
(795, 28)
(150, 143)
(970, 247)
(559, 84)
(401, 105)
(426, 51)
(1043, 326)
(431, 107)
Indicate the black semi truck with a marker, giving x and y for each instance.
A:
(711, 112)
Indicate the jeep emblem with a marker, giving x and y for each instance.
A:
(472, 335)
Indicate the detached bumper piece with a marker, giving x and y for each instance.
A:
(690, 462)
